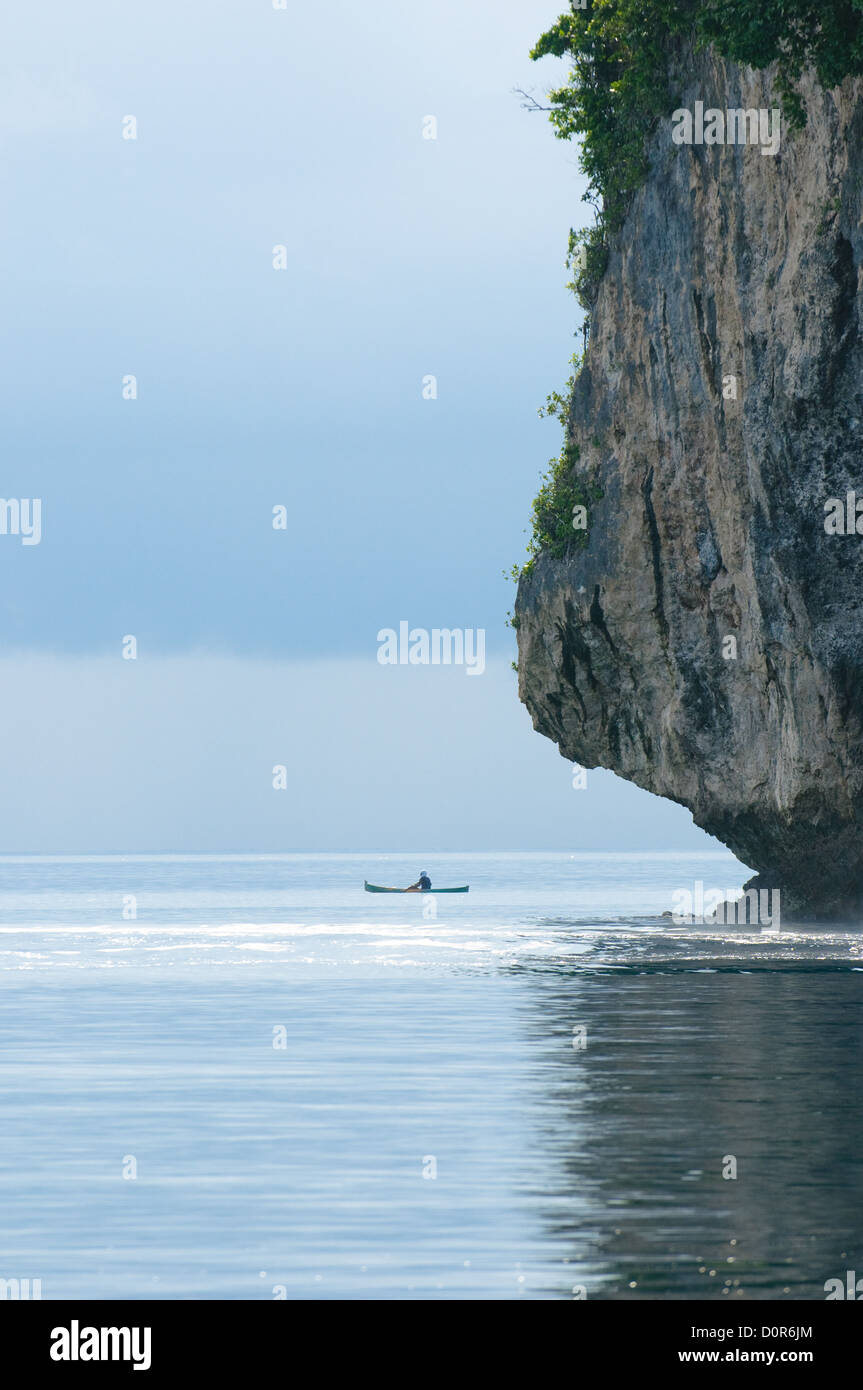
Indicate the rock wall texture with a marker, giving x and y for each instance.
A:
(712, 519)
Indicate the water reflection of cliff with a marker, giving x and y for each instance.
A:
(683, 1071)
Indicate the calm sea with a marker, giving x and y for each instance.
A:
(268, 1083)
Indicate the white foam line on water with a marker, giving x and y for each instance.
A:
(195, 929)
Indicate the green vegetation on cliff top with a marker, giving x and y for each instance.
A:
(618, 86)
(616, 91)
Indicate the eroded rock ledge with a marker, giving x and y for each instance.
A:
(711, 524)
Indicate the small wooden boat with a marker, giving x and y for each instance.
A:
(375, 888)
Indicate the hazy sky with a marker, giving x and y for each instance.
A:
(178, 753)
(405, 256)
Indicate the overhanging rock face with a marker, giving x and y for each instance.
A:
(721, 400)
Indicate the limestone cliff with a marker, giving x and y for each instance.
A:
(731, 263)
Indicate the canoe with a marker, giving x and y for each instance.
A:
(374, 888)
